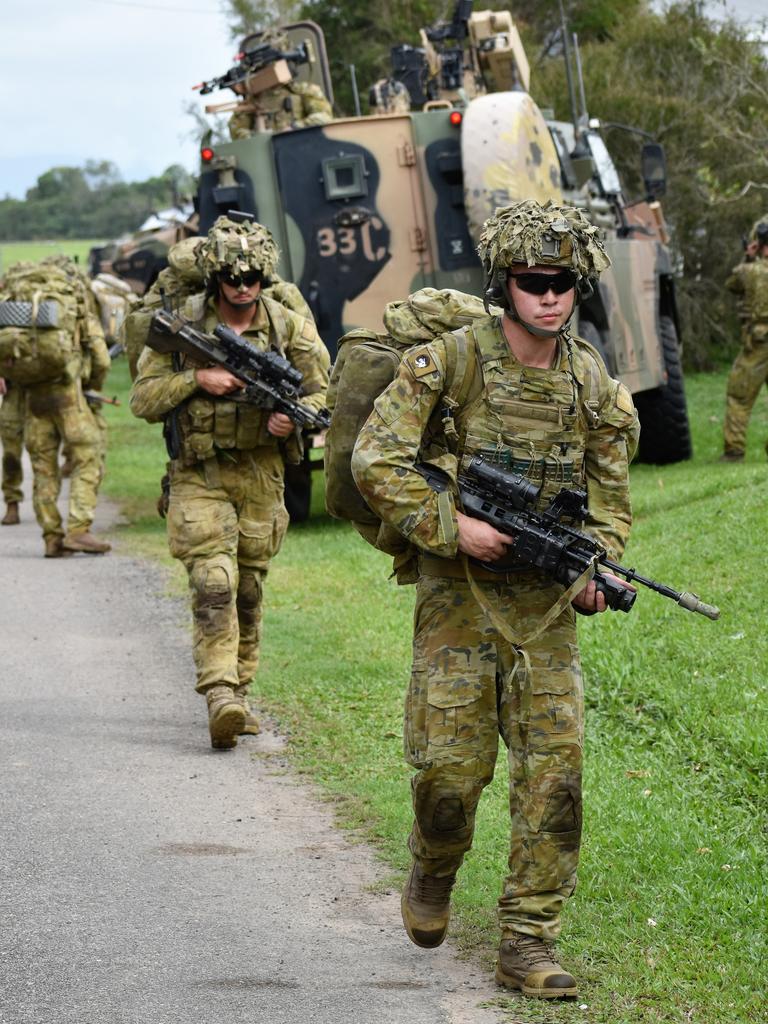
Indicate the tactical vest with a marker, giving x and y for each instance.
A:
(526, 419)
(206, 423)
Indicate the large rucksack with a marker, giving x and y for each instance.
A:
(42, 312)
(366, 364)
(115, 299)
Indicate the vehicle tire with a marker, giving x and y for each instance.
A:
(665, 434)
(590, 333)
(298, 490)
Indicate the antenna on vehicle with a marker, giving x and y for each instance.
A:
(355, 93)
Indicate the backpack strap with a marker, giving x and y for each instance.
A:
(278, 324)
(461, 373)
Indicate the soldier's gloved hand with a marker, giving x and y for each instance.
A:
(280, 425)
(218, 381)
(481, 540)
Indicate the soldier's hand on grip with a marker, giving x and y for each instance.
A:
(481, 540)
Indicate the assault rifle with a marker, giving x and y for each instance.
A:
(268, 380)
(547, 540)
(252, 61)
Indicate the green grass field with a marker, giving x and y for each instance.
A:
(668, 921)
(12, 252)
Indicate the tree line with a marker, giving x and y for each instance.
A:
(89, 202)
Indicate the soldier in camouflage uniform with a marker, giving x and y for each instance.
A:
(57, 414)
(749, 281)
(496, 652)
(12, 443)
(293, 105)
(226, 517)
(388, 96)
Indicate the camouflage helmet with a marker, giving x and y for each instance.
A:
(547, 235)
(237, 247)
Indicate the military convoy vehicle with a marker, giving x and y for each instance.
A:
(368, 209)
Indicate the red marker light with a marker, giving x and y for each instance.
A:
(456, 117)
(206, 154)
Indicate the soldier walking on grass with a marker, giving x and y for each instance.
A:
(749, 281)
(499, 654)
(226, 517)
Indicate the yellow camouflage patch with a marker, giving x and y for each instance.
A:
(624, 399)
(420, 363)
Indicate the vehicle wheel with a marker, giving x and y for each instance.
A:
(665, 434)
(590, 333)
(298, 490)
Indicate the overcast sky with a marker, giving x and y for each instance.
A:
(109, 80)
(103, 80)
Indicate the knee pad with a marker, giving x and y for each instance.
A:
(249, 589)
(562, 812)
(211, 581)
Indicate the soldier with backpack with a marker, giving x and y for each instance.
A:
(495, 648)
(226, 517)
(46, 340)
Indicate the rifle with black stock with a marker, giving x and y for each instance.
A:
(269, 380)
(547, 540)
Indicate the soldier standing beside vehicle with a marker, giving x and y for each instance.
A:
(226, 517)
(749, 281)
(543, 405)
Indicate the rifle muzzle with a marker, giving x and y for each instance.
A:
(691, 603)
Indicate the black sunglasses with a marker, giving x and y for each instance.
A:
(248, 279)
(540, 284)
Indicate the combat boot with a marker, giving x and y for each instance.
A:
(426, 907)
(11, 517)
(226, 717)
(252, 725)
(85, 542)
(527, 963)
(53, 548)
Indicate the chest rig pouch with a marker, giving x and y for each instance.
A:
(529, 420)
(210, 424)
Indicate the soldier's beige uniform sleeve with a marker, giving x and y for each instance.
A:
(388, 447)
(306, 351)
(158, 388)
(611, 446)
(315, 107)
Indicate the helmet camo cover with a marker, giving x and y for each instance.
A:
(549, 235)
(238, 248)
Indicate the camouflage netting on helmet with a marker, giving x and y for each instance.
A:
(548, 234)
(237, 248)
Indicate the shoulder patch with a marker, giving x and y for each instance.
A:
(624, 399)
(421, 363)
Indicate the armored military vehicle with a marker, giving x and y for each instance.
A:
(368, 209)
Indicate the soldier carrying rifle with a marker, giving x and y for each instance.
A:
(226, 517)
(495, 647)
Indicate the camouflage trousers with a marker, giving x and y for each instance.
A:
(12, 440)
(748, 374)
(468, 687)
(58, 414)
(226, 519)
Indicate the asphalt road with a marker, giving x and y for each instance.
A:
(146, 879)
